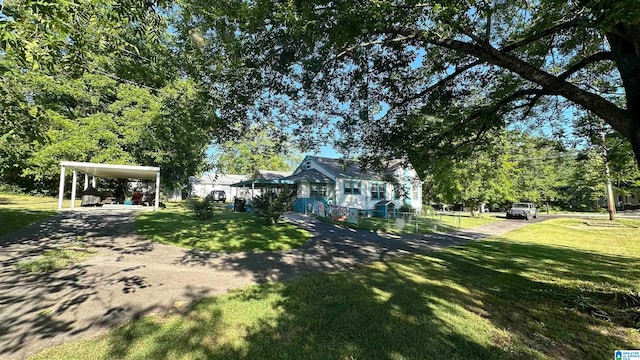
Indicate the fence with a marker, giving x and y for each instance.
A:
(396, 221)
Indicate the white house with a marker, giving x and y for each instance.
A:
(335, 182)
(202, 186)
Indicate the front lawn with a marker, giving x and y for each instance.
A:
(561, 289)
(18, 211)
(425, 224)
(228, 231)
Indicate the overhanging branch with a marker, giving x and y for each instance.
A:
(616, 117)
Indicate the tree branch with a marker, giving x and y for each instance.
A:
(591, 59)
(618, 118)
(439, 83)
(487, 33)
(542, 34)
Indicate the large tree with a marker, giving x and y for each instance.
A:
(99, 81)
(258, 148)
(517, 167)
(378, 69)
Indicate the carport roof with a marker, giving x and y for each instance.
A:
(114, 171)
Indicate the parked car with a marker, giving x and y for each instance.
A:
(217, 195)
(525, 210)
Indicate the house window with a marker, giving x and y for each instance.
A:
(378, 191)
(352, 187)
(318, 190)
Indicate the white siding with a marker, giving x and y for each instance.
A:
(364, 200)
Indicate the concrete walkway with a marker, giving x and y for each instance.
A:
(131, 277)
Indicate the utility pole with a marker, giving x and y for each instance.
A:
(611, 206)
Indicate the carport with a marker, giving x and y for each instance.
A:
(106, 171)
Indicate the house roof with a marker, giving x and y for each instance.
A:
(311, 175)
(271, 175)
(351, 169)
(222, 179)
(261, 183)
(343, 168)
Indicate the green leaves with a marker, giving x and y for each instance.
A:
(97, 81)
(479, 67)
(257, 148)
(515, 167)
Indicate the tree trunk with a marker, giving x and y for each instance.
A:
(625, 48)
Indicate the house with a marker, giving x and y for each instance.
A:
(202, 186)
(334, 182)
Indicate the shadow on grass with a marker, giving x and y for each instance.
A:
(12, 219)
(486, 300)
(228, 231)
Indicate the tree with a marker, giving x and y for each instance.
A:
(258, 148)
(587, 186)
(516, 167)
(96, 81)
(468, 67)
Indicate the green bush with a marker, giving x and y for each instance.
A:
(406, 209)
(272, 205)
(202, 209)
(9, 188)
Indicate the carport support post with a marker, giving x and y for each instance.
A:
(156, 203)
(74, 182)
(86, 181)
(93, 181)
(61, 190)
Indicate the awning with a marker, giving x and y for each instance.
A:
(111, 171)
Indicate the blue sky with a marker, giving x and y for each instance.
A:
(326, 151)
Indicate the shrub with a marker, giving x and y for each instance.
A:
(272, 205)
(406, 209)
(202, 209)
(9, 188)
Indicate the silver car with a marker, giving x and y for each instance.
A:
(524, 210)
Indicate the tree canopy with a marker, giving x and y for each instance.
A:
(430, 79)
(97, 81)
(519, 168)
(257, 148)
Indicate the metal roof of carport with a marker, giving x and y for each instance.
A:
(114, 171)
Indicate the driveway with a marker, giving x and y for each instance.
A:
(130, 277)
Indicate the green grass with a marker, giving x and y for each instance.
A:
(55, 259)
(530, 295)
(18, 211)
(228, 231)
(426, 224)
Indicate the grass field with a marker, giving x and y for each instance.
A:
(228, 231)
(562, 289)
(18, 211)
(425, 224)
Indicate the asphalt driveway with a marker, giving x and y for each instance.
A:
(130, 277)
